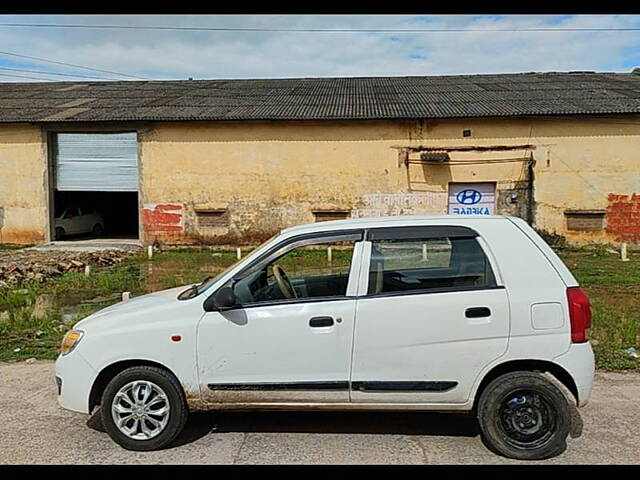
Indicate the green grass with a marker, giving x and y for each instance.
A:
(599, 267)
(34, 316)
(613, 287)
(8, 246)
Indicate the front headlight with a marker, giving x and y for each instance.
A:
(70, 340)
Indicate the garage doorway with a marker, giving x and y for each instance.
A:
(95, 178)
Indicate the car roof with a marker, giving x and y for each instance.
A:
(388, 221)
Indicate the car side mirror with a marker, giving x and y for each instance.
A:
(223, 299)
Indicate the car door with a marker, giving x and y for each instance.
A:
(81, 221)
(289, 337)
(430, 316)
(85, 221)
(70, 220)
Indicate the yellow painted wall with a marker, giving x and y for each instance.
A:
(270, 175)
(23, 180)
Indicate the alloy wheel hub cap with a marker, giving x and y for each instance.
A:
(140, 410)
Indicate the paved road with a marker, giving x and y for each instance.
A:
(33, 429)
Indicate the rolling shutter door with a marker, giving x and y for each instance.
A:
(105, 162)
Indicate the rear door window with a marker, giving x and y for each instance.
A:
(428, 260)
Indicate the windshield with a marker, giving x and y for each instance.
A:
(195, 290)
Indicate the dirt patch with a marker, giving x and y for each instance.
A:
(17, 266)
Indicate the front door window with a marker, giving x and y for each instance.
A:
(316, 268)
(72, 212)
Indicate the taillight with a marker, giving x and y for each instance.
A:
(579, 314)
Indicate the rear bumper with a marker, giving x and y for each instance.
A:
(580, 363)
(74, 378)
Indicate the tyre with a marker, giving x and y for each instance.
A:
(97, 230)
(144, 408)
(523, 415)
(59, 234)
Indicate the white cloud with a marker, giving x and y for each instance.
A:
(170, 54)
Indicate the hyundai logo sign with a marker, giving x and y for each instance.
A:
(469, 196)
(472, 198)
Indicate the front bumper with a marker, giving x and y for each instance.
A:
(74, 377)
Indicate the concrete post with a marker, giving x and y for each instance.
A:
(623, 252)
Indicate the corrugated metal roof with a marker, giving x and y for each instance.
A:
(454, 96)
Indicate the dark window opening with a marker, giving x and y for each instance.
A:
(212, 218)
(328, 215)
(585, 220)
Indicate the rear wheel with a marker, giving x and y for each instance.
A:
(59, 235)
(144, 408)
(525, 416)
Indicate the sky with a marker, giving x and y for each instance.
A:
(164, 55)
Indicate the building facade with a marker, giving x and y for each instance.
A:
(240, 180)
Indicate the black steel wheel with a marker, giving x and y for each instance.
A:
(524, 415)
(527, 418)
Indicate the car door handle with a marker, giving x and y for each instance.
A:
(477, 312)
(321, 322)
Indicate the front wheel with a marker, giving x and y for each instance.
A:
(144, 408)
(525, 416)
(97, 230)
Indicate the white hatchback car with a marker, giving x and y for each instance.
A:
(467, 314)
(76, 220)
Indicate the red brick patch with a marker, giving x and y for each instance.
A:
(623, 217)
(162, 218)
